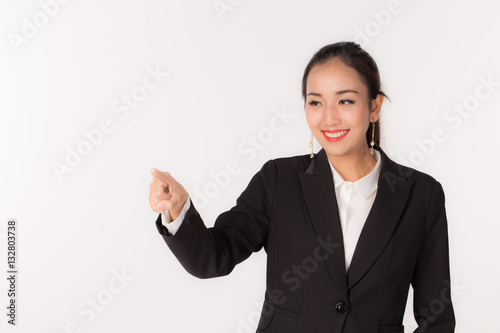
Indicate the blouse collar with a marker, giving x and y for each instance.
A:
(366, 185)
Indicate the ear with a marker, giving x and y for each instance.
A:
(376, 107)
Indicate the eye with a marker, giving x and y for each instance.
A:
(347, 101)
(314, 103)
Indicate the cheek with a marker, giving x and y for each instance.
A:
(313, 117)
(356, 117)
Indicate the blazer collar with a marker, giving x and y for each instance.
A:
(318, 191)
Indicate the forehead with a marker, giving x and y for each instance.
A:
(334, 75)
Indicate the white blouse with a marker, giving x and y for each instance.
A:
(354, 199)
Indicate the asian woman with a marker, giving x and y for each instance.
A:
(347, 230)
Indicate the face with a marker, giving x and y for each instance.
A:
(337, 108)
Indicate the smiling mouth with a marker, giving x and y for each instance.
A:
(335, 135)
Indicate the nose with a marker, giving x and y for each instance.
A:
(331, 115)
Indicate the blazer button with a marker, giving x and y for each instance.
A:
(341, 307)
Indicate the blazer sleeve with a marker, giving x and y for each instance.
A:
(215, 251)
(432, 304)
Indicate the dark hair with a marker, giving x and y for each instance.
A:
(352, 55)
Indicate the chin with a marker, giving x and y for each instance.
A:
(336, 151)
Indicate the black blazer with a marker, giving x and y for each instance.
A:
(290, 208)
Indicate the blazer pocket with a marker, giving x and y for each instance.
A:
(266, 316)
(391, 328)
(277, 320)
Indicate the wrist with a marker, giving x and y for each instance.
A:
(176, 211)
(174, 214)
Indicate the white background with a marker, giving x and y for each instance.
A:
(229, 72)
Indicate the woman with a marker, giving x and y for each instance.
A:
(346, 230)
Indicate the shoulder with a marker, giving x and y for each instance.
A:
(284, 168)
(290, 163)
(421, 180)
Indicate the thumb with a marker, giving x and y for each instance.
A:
(162, 205)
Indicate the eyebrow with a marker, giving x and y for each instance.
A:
(337, 93)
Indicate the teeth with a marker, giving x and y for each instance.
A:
(335, 135)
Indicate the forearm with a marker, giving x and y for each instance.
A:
(207, 252)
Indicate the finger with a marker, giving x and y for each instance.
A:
(160, 192)
(169, 188)
(157, 192)
(155, 203)
(152, 203)
(160, 175)
(163, 205)
(164, 185)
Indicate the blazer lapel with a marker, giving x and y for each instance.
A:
(319, 194)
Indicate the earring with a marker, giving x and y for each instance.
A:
(373, 141)
(311, 145)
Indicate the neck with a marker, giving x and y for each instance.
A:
(355, 165)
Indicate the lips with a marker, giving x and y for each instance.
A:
(336, 135)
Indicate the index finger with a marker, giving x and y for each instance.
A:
(159, 175)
